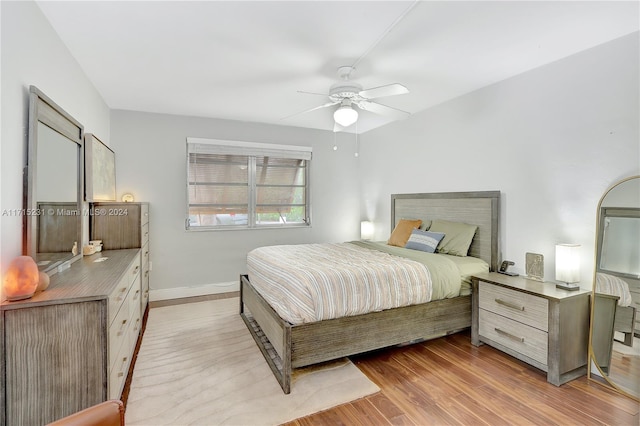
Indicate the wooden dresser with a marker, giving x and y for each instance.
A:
(534, 322)
(124, 226)
(71, 346)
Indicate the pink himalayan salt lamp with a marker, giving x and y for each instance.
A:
(21, 279)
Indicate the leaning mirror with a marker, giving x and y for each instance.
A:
(53, 185)
(615, 323)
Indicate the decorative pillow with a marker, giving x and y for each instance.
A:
(424, 240)
(402, 231)
(458, 236)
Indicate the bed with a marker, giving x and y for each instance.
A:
(625, 312)
(288, 344)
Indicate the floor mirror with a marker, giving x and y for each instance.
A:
(614, 344)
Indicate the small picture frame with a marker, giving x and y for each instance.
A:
(534, 266)
(99, 170)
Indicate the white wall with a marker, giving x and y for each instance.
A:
(151, 163)
(552, 140)
(33, 54)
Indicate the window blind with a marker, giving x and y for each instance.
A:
(235, 184)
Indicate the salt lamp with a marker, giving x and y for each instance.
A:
(22, 279)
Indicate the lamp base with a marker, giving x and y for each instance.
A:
(568, 286)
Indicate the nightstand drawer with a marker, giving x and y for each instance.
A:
(516, 305)
(526, 340)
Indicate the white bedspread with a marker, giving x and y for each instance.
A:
(314, 282)
(610, 284)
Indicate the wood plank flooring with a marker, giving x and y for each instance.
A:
(448, 381)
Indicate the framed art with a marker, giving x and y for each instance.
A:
(535, 266)
(99, 170)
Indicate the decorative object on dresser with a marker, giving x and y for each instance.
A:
(568, 266)
(123, 226)
(21, 280)
(615, 324)
(534, 264)
(79, 336)
(100, 170)
(534, 322)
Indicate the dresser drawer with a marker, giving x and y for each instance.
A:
(118, 331)
(119, 370)
(144, 234)
(525, 308)
(145, 257)
(145, 290)
(526, 340)
(144, 213)
(118, 296)
(134, 297)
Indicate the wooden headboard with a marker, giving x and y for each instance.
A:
(476, 208)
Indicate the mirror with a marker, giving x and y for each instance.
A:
(53, 185)
(615, 322)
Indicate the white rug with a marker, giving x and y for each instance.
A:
(198, 365)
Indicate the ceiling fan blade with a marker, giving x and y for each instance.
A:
(383, 109)
(313, 93)
(388, 90)
(328, 104)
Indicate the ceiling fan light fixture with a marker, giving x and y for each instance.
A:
(345, 115)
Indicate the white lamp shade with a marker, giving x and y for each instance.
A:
(366, 230)
(568, 263)
(345, 115)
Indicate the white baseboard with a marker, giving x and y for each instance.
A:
(201, 290)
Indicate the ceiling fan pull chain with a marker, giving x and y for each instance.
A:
(357, 154)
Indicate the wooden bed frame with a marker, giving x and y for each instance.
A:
(286, 346)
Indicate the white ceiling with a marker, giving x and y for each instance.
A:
(247, 61)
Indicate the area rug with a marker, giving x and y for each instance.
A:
(198, 365)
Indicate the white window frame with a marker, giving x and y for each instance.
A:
(251, 150)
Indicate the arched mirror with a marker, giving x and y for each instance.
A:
(615, 320)
(53, 185)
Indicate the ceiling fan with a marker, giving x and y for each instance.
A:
(349, 94)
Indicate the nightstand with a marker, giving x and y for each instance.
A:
(533, 321)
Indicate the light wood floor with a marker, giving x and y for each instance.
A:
(449, 381)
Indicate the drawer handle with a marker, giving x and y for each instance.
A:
(509, 335)
(135, 271)
(124, 360)
(509, 305)
(121, 296)
(135, 296)
(122, 328)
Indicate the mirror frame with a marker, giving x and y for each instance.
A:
(602, 377)
(44, 110)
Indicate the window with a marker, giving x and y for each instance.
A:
(246, 185)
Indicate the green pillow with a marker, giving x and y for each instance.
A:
(457, 236)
